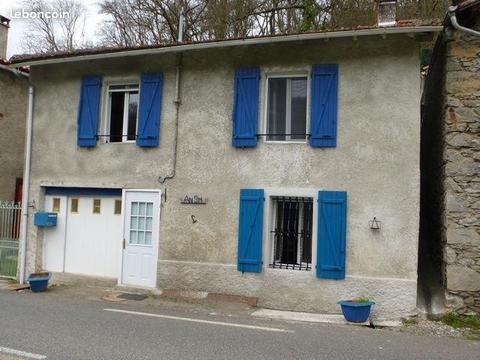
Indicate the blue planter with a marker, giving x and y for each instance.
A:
(39, 281)
(357, 312)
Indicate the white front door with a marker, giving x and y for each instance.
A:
(140, 237)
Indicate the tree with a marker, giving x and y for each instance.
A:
(146, 22)
(64, 32)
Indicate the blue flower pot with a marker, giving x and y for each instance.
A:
(39, 281)
(357, 312)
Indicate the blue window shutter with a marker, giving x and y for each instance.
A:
(89, 110)
(148, 133)
(323, 119)
(250, 230)
(331, 234)
(245, 107)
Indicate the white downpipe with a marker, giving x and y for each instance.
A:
(456, 25)
(26, 187)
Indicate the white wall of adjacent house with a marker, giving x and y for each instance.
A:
(87, 240)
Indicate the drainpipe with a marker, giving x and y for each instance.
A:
(456, 25)
(177, 102)
(26, 187)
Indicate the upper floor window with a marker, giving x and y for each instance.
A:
(122, 112)
(287, 108)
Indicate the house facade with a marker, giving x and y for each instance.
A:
(284, 168)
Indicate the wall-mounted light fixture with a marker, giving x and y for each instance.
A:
(375, 224)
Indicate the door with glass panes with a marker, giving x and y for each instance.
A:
(140, 239)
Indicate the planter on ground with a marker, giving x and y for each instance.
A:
(39, 281)
(356, 311)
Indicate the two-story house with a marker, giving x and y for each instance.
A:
(282, 167)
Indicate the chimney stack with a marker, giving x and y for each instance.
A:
(387, 12)
(4, 26)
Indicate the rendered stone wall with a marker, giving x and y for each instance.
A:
(462, 172)
(13, 113)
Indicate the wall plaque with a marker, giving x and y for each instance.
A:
(193, 200)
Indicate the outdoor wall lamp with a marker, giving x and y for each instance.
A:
(375, 224)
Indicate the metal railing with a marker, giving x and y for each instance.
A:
(10, 216)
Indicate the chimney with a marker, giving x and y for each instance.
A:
(4, 26)
(387, 12)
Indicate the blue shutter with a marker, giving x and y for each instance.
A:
(88, 111)
(250, 230)
(148, 132)
(323, 119)
(245, 107)
(331, 234)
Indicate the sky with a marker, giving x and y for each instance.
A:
(18, 26)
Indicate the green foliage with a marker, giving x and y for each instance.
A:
(461, 321)
(410, 321)
(360, 300)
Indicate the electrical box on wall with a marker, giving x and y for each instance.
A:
(45, 219)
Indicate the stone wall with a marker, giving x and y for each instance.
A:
(13, 113)
(462, 171)
(3, 40)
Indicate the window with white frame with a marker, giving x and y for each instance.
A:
(122, 112)
(291, 232)
(286, 108)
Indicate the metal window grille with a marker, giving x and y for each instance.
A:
(292, 233)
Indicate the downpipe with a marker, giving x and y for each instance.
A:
(453, 19)
(177, 103)
(26, 187)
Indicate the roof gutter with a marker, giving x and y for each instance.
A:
(232, 43)
(453, 19)
(14, 71)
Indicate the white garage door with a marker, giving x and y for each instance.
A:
(88, 238)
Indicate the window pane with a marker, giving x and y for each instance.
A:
(132, 115)
(96, 206)
(141, 209)
(133, 222)
(148, 238)
(74, 206)
(117, 100)
(141, 238)
(134, 208)
(133, 237)
(141, 223)
(149, 209)
(118, 207)
(299, 107)
(56, 205)
(148, 224)
(277, 94)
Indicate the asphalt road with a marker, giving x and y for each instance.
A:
(54, 326)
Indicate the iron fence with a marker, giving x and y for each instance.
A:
(10, 216)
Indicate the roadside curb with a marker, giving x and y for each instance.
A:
(320, 318)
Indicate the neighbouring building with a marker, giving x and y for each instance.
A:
(13, 110)
(449, 265)
(285, 168)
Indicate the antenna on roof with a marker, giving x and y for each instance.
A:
(180, 26)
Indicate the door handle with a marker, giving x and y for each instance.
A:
(123, 243)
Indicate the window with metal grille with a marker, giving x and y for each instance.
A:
(292, 233)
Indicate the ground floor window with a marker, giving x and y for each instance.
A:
(291, 232)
